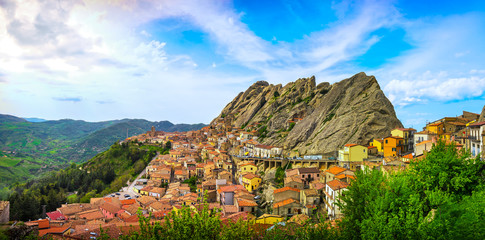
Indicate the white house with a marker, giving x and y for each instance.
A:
(333, 190)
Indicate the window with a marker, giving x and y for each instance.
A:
(393, 149)
(386, 141)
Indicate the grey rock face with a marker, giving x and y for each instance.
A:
(327, 116)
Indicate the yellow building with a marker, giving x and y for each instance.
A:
(352, 153)
(408, 136)
(436, 128)
(378, 144)
(393, 146)
(269, 219)
(248, 168)
(251, 181)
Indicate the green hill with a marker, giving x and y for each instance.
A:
(29, 149)
(105, 173)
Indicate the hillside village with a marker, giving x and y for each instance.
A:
(227, 168)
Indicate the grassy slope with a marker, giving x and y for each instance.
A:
(31, 149)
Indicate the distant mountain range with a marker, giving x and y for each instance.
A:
(32, 146)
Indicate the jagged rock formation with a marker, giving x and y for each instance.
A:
(482, 115)
(305, 118)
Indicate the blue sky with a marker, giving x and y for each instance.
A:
(183, 61)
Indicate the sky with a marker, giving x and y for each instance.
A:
(183, 61)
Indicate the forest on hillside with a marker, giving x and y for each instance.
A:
(106, 173)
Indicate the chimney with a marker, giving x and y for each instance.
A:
(44, 215)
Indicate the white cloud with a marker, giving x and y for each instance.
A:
(441, 66)
(97, 52)
(405, 92)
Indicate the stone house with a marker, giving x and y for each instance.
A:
(294, 182)
(287, 208)
(286, 193)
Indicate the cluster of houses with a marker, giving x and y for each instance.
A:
(200, 170)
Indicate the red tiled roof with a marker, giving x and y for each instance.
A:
(335, 170)
(409, 156)
(350, 145)
(337, 184)
(230, 188)
(91, 214)
(128, 201)
(56, 215)
(477, 124)
(246, 164)
(250, 176)
(241, 202)
(423, 142)
(54, 230)
(229, 209)
(284, 203)
(286, 189)
(43, 223)
(110, 207)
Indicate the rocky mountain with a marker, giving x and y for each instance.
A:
(305, 118)
(482, 115)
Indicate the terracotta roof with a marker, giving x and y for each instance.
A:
(230, 188)
(284, 203)
(337, 184)
(310, 192)
(293, 179)
(110, 207)
(132, 209)
(350, 145)
(286, 189)
(342, 176)
(408, 156)
(54, 230)
(146, 200)
(146, 189)
(317, 185)
(91, 214)
(229, 209)
(43, 223)
(128, 201)
(369, 147)
(159, 206)
(246, 164)
(56, 215)
(250, 176)
(237, 216)
(71, 209)
(299, 218)
(241, 202)
(335, 170)
(477, 124)
(423, 142)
